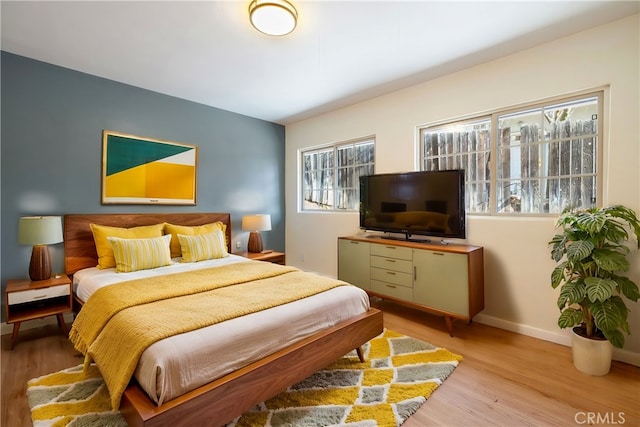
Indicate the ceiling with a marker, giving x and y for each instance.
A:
(339, 54)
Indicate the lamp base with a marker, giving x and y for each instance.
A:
(40, 264)
(255, 242)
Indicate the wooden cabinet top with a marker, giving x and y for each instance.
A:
(17, 285)
(432, 246)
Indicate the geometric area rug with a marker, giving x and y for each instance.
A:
(398, 376)
(71, 397)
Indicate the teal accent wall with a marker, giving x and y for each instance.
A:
(52, 120)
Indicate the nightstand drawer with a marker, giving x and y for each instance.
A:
(268, 256)
(276, 259)
(32, 295)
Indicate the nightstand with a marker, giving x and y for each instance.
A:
(27, 300)
(269, 256)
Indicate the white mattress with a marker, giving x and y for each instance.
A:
(173, 366)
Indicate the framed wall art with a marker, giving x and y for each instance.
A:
(138, 170)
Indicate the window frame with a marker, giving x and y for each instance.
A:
(599, 93)
(335, 168)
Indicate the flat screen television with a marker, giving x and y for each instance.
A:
(428, 203)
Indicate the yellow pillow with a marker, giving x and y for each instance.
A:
(140, 254)
(186, 230)
(203, 246)
(101, 232)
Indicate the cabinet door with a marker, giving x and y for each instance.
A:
(441, 281)
(353, 263)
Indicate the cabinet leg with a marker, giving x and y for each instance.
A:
(14, 335)
(449, 322)
(360, 354)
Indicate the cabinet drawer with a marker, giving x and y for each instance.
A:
(393, 277)
(401, 265)
(21, 297)
(389, 289)
(389, 251)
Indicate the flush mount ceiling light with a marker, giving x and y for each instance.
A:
(273, 17)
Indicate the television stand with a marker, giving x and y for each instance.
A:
(445, 280)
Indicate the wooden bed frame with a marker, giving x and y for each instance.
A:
(220, 401)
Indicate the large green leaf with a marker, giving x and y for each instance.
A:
(615, 337)
(610, 316)
(628, 288)
(627, 215)
(615, 232)
(606, 315)
(558, 247)
(573, 292)
(557, 275)
(591, 222)
(610, 260)
(599, 289)
(570, 317)
(579, 250)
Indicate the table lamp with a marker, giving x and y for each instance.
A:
(255, 224)
(40, 231)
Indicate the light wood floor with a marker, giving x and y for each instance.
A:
(505, 379)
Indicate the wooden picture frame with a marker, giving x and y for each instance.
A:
(139, 170)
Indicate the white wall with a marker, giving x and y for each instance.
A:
(517, 261)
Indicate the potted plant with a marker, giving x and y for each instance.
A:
(591, 255)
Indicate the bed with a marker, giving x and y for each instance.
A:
(263, 374)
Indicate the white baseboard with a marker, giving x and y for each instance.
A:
(7, 328)
(558, 338)
(563, 338)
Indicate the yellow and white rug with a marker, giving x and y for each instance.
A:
(399, 374)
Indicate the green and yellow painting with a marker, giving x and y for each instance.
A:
(147, 171)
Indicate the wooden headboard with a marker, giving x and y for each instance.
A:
(79, 246)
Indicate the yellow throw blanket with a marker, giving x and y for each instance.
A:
(117, 323)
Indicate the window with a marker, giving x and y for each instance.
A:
(331, 175)
(546, 156)
(462, 146)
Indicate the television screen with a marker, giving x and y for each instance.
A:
(429, 203)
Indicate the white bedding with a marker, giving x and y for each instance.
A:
(173, 366)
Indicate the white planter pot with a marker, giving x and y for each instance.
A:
(591, 356)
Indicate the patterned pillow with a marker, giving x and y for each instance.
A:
(103, 248)
(186, 230)
(140, 254)
(203, 246)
